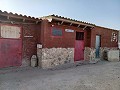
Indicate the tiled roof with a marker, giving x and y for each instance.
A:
(17, 15)
(33, 18)
(79, 21)
(72, 19)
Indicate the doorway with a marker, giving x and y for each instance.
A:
(10, 46)
(97, 46)
(79, 46)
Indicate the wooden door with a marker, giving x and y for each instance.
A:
(79, 46)
(10, 46)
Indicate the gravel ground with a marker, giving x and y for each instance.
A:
(101, 76)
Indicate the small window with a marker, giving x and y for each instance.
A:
(56, 32)
(79, 35)
(10, 31)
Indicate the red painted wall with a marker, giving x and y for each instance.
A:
(30, 43)
(42, 34)
(105, 37)
(68, 39)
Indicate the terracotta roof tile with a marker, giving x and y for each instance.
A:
(18, 15)
(71, 19)
(80, 21)
(29, 17)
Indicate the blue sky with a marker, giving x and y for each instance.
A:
(104, 13)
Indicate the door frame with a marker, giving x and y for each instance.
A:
(75, 43)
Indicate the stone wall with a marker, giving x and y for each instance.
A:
(48, 58)
(51, 57)
(89, 55)
(105, 49)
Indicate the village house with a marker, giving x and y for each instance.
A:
(55, 40)
(19, 36)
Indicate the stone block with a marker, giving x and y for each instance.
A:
(34, 61)
(113, 55)
(105, 49)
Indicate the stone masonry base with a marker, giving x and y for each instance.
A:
(51, 57)
(90, 56)
(105, 49)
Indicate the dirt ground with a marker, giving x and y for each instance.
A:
(101, 76)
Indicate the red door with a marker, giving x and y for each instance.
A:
(10, 47)
(79, 50)
(10, 52)
(79, 46)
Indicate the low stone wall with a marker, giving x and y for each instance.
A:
(51, 57)
(48, 58)
(89, 55)
(105, 49)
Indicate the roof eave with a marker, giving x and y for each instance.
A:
(51, 18)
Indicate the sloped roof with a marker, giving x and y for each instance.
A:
(15, 15)
(57, 16)
(5, 13)
(65, 19)
(72, 19)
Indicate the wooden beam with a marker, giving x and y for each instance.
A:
(78, 25)
(58, 23)
(70, 21)
(12, 22)
(8, 17)
(71, 24)
(61, 22)
(23, 20)
(37, 22)
(84, 27)
(92, 28)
